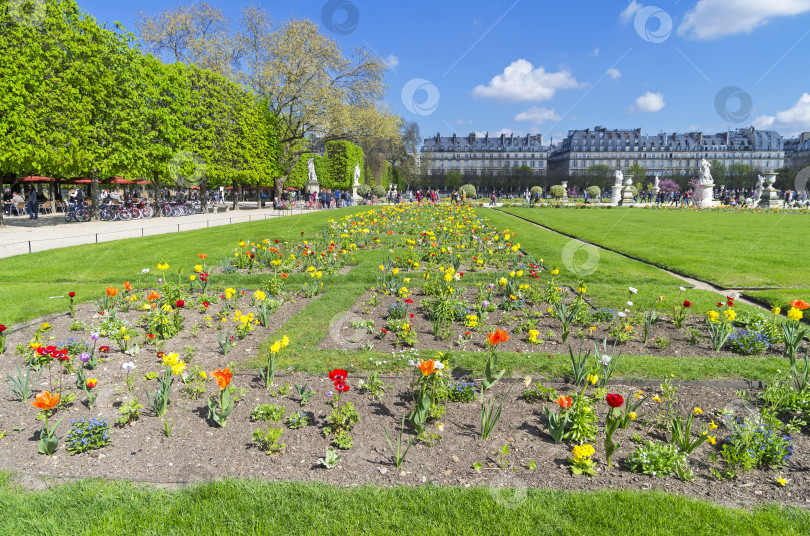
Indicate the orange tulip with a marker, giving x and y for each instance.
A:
(153, 296)
(111, 291)
(799, 304)
(223, 377)
(45, 401)
(91, 382)
(284, 276)
(127, 286)
(498, 337)
(203, 256)
(427, 367)
(564, 401)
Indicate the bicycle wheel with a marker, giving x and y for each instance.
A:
(136, 213)
(147, 211)
(166, 210)
(68, 215)
(124, 214)
(177, 211)
(82, 214)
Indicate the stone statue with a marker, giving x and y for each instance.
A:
(656, 184)
(619, 177)
(313, 177)
(706, 172)
(760, 186)
(357, 174)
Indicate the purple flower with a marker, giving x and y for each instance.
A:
(84, 357)
(160, 281)
(95, 336)
(491, 286)
(330, 394)
(484, 304)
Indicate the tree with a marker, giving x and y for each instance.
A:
(452, 179)
(599, 175)
(785, 178)
(738, 176)
(315, 91)
(718, 171)
(198, 34)
(638, 173)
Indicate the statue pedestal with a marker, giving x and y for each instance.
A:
(627, 197)
(704, 197)
(769, 198)
(616, 195)
(654, 192)
(314, 186)
(355, 197)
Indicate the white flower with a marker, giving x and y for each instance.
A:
(128, 366)
(683, 289)
(145, 271)
(605, 360)
(438, 365)
(629, 304)
(632, 290)
(621, 314)
(527, 381)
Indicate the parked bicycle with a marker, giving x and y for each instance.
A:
(77, 213)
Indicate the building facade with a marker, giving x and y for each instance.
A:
(797, 151)
(665, 154)
(475, 154)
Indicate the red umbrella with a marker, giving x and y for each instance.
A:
(116, 180)
(77, 181)
(34, 178)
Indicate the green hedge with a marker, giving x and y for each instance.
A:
(342, 157)
(300, 173)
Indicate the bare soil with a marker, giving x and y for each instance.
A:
(199, 450)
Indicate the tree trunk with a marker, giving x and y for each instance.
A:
(258, 197)
(233, 192)
(204, 195)
(94, 196)
(156, 213)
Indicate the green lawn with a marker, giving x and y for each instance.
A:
(242, 508)
(727, 249)
(29, 282)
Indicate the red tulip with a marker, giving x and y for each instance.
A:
(72, 294)
(2, 328)
(614, 400)
(687, 303)
(179, 304)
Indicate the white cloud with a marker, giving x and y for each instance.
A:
(614, 73)
(521, 82)
(649, 102)
(537, 115)
(713, 19)
(794, 119)
(464, 121)
(595, 53)
(630, 11)
(391, 61)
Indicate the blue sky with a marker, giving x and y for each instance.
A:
(536, 66)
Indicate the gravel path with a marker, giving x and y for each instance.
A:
(21, 235)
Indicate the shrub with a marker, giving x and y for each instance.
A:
(536, 190)
(747, 342)
(89, 435)
(267, 412)
(461, 391)
(594, 192)
(363, 190)
(378, 191)
(470, 189)
(557, 191)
